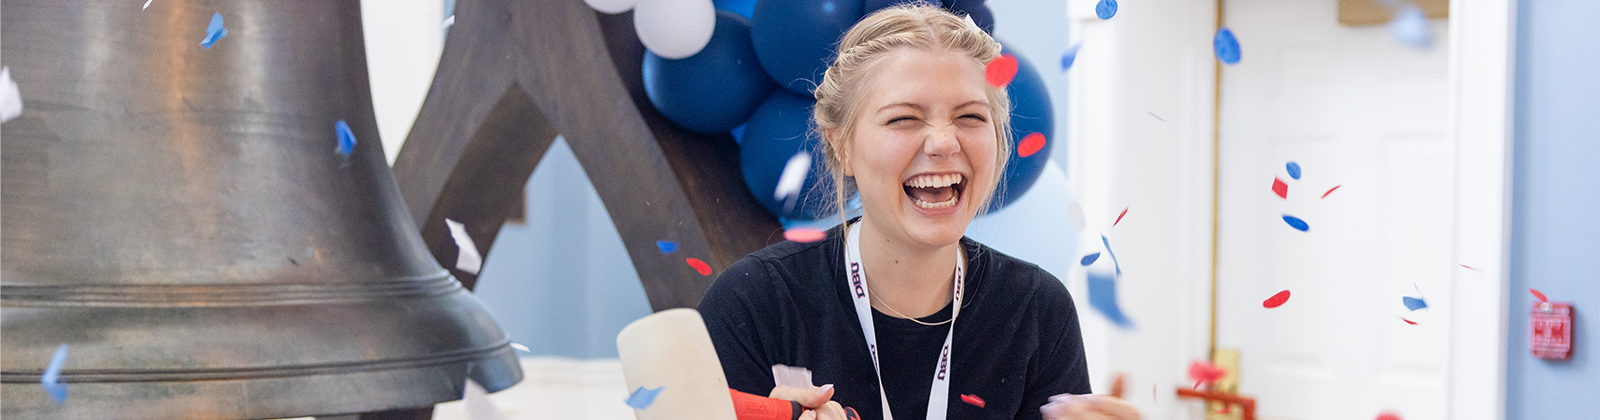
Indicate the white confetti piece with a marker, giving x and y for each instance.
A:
(10, 96)
(449, 21)
(521, 348)
(479, 407)
(794, 175)
(146, 4)
(797, 377)
(467, 259)
(1075, 214)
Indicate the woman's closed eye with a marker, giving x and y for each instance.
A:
(904, 120)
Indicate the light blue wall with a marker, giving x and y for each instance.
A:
(1555, 221)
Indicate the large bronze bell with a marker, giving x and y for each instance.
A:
(179, 218)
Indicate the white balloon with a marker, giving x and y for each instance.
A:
(610, 6)
(674, 29)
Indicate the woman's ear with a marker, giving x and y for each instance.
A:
(839, 151)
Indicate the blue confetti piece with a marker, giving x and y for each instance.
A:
(347, 139)
(1067, 58)
(643, 397)
(1410, 27)
(1106, 9)
(214, 31)
(1114, 262)
(1296, 223)
(1103, 297)
(667, 247)
(1227, 46)
(51, 380)
(1293, 168)
(1089, 259)
(1414, 303)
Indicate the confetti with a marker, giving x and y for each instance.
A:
(1075, 215)
(1539, 295)
(1067, 58)
(1089, 259)
(1470, 268)
(51, 380)
(643, 397)
(146, 4)
(1158, 117)
(1105, 9)
(479, 407)
(1000, 70)
(1031, 144)
(667, 247)
(1114, 262)
(1205, 373)
(1293, 168)
(448, 22)
(805, 235)
(1410, 27)
(1276, 300)
(1280, 188)
(1103, 297)
(1119, 217)
(1414, 303)
(1226, 46)
(1296, 223)
(467, 257)
(1388, 416)
(1330, 191)
(521, 348)
(794, 175)
(972, 399)
(790, 376)
(347, 139)
(701, 266)
(214, 31)
(10, 96)
(1406, 320)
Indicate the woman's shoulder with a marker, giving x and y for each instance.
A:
(779, 268)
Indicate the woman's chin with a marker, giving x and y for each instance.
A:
(936, 226)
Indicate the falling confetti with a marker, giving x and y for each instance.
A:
(1280, 188)
(1470, 268)
(1158, 117)
(10, 96)
(347, 138)
(972, 399)
(1296, 223)
(794, 175)
(1407, 320)
(1103, 297)
(643, 397)
(1089, 259)
(1330, 191)
(1119, 217)
(1067, 58)
(51, 380)
(1075, 215)
(1205, 373)
(1293, 168)
(1388, 416)
(1410, 27)
(479, 407)
(805, 235)
(214, 31)
(521, 348)
(667, 247)
(146, 4)
(1114, 262)
(1539, 295)
(790, 376)
(1000, 70)
(467, 257)
(1105, 9)
(1031, 144)
(1226, 46)
(701, 266)
(1276, 300)
(448, 22)
(1414, 303)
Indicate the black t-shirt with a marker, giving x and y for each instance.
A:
(1016, 343)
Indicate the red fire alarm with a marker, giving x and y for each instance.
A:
(1552, 331)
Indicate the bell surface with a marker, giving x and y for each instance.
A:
(180, 218)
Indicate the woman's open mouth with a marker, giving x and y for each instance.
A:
(935, 191)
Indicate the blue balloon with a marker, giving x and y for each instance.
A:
(714, 90)
(780, 128)
(1031, 112)
(746, 8)
(794, 39)
(869, 6)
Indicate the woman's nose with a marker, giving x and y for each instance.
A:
(941, 142)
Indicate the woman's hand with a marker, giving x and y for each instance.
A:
(816, 399)
(1088, 407)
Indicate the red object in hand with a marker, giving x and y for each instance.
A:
(1202, 372)
(755, 407)
(1551, 337)
(972, 399)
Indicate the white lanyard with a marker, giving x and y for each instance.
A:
(939, 395)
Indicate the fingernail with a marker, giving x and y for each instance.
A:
(824, 389)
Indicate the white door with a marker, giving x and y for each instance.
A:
(1358, 110)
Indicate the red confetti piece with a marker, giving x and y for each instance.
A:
(1276, 300)
(1119, 217)
(1388, 416)
(1407, 320)
(1000, 70)
(1470, 268)
(701, 266)
(1330, 191)
(1538, 294)
(1030, 144)
(972, 399)
(1204, 373)
(1280, 188)
(805, 235)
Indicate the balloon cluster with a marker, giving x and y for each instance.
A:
(748, 67)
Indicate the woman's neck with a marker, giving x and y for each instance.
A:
(912, 280)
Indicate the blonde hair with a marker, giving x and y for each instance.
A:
(918, 26)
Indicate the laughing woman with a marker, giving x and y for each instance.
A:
(899, 313)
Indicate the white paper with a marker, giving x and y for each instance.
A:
(467, 259)
(10, 96)
(479, 407)
(794, 175)
(449, 21)
(797, 377)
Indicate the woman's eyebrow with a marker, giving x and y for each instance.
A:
(919, 108)
(984, 104)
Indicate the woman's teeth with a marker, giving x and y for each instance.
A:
(939, 205)
(934, 181)
(925, 189)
